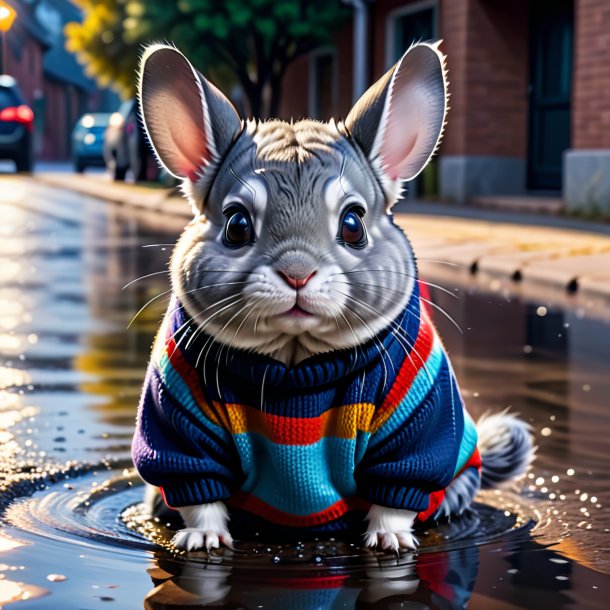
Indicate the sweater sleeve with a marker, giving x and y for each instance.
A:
(177, 448)
(414, 451)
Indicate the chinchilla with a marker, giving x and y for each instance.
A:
(297, 387)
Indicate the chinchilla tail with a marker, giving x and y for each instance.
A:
(506, 446)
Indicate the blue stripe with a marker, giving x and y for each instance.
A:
(469, 442)
(298, 479)
(423, 382)
(181, 393)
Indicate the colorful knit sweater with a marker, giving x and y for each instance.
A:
(310, 447)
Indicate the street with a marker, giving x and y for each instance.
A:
(71, 373)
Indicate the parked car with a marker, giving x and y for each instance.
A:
(88, 141)
(16, 125)
(125, 145)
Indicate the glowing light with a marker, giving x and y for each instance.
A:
(555, 478)
(542, 311)
(545, 432)
(116, 119)
(89, 138)
(87, 121)
(570, 472)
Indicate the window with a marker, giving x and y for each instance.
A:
(322, 85)
(411, 23)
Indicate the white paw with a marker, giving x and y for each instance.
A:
(206, 527)
(390, 529)
(192, 539)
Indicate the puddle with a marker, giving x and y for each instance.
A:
(71, 534)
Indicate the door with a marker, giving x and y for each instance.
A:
(550, 87)
(413, 23)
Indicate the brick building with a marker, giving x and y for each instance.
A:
(50, 79)
(529, 84)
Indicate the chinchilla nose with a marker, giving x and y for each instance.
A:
(296, 268)
(295, 282)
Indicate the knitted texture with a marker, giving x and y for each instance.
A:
(305, 448)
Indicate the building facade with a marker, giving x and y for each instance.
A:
(51, 81)
(529, 84)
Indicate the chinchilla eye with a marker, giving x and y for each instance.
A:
(351, 228)
(239, 230)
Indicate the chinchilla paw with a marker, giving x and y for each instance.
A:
(391, 541)
(193, 539)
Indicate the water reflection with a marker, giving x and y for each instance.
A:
(387, 582)
(70, 375)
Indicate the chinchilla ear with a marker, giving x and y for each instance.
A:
(399, 121)
(189, 122)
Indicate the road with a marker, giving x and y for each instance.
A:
(70, 376)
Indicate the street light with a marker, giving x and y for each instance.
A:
(7, 17)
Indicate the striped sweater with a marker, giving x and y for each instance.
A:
(306, 448)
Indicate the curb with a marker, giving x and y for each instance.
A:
(157, 200)
(572, 261)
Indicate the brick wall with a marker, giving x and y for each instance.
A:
(591, 80)
(295, 96)
(487, 47)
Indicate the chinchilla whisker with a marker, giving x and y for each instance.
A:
(199, 314)
(253, 307)
(147, 304)
(439, 308)
(379, 345)
(441, 288)
(223, 345)
(356, 341)
(201, 327)
(263, 389)
(207, 323)
(436, 260)
(396, 329)
(143, 277)
(203, 352)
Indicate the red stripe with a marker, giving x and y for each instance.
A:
(307, 582)
(436, 497)
(410, 366)
(185, 370)
(258, 507)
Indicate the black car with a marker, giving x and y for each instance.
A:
(125, 145)
(16, 125)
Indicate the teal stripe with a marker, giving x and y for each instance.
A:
(468, 444)
(179, 390)
(423, 382)
(298, 479)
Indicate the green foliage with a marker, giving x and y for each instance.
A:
(250, 42)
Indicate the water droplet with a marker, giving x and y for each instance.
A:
(542, 311)
(56, 577)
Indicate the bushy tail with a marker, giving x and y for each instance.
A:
(506, 447)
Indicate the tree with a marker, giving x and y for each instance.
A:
(249, 42)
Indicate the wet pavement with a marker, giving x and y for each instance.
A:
(70, 375)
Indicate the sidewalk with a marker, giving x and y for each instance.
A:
(571, 256)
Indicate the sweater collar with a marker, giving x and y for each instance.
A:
(317, 370)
